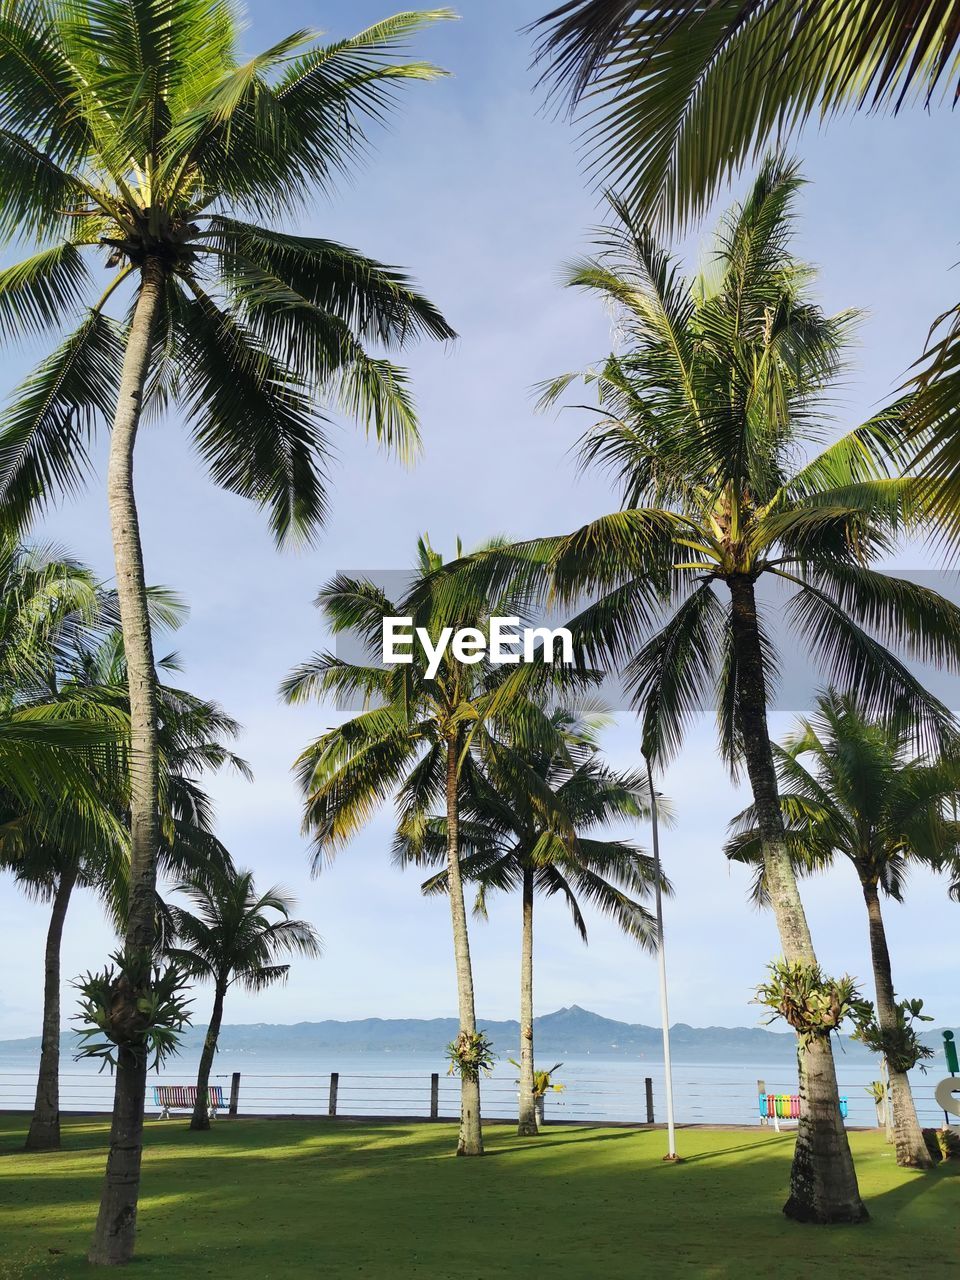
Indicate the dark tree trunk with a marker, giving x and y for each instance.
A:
(470, 1141)
(908, 1140)
(44, 1132)
(823, 1180)
(527, 1121)
(201, 1115)
(115, 1234)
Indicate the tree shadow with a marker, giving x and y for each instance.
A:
(780, 1140)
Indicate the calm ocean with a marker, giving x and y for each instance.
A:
(400, 1085)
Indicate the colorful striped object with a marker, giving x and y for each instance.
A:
(786, 1106)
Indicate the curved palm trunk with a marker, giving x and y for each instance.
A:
(823, 1180)
(907, 1137)
(470, 1141)
(44, 1132)
(527, 1122)
(115, 1233)
(201, 1118)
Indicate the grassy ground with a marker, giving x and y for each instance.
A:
(275, 1199)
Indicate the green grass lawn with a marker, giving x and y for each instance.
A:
(274, 1199)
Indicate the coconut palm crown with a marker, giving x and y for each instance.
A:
(134, 139)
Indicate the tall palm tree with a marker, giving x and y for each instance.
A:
(415, 740)
(234, 936)
(63, 851)
(132, 129)
(706, 413)
(680, 95)
(509, 842)
(852, 787)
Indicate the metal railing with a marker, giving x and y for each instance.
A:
(614, 1098)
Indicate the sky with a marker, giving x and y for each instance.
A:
(478, 191)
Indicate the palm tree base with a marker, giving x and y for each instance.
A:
(528, 1131)
(802, 1211)
(43, 1136)
(919, 1162)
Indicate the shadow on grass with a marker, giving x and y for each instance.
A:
(572, 1138)
(784, 1140)
(295, 1200)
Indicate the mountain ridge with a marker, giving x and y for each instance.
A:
(570, 1030)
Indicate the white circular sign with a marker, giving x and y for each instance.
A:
(948, 1095)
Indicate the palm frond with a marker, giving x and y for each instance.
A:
(256, 428)
(679, 96)
(46, 427)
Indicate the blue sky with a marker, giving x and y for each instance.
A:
(478, 193)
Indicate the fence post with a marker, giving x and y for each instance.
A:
(334, 1087)
(234, 1093)
(435, 1096)
(648, 1088)
(761, 1089)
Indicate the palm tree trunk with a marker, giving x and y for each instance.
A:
(823, 1180)
(44, 1132)
(527, 1125)
(201, 1117)
(908, 1140)
(470, 1141)
(115, 1233)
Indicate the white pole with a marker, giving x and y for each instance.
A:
(662, 960)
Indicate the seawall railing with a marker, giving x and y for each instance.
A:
(622, 1099)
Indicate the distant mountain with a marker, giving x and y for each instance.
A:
(574, 1032)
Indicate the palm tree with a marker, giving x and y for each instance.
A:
(508, 842)
(234, 936)
(852, 787)
(49, 604)
(54, 856)
(689, 92)
(415, 739)
(131, 128)
(716, 394)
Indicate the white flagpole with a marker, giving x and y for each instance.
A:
(662, 960)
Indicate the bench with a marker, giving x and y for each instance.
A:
(785, 1106)
(183, 1097)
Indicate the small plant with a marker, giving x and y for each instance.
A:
(812, 1003)
(470, 1056)
(948, 1143)
(134, 1005)
(542, 1081)
(877, 1090)
(901, 1046)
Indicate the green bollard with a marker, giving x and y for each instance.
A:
(950, 1053)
